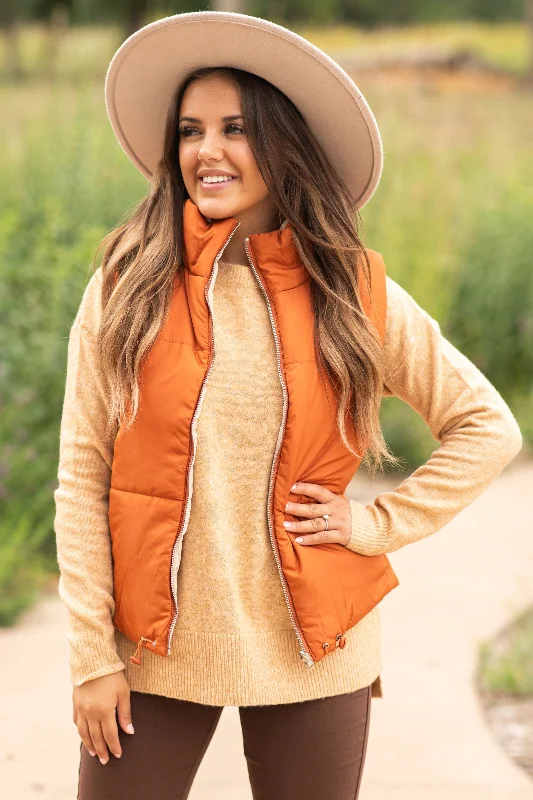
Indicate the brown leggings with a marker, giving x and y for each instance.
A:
(314, 749)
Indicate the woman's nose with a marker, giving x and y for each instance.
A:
(209, 149)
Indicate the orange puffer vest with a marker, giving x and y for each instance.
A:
(328, 588)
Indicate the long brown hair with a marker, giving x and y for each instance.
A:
(146, 250)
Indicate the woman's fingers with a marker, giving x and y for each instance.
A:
(309, 509)
(97, 737)
(316, 527)
(322, 537)
(317, 523)
(110, 733)
(124, 710)
(337, 507)
(95, 707)
(85, 736)
(97, 734)
(315, 490)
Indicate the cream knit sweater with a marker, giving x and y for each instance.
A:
(233, 643)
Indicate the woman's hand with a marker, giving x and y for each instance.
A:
(336, 505)
(94, 713)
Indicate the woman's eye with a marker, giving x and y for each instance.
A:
(188, 131)
(239, 128)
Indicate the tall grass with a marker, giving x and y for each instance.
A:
(501, 44)
(83, 54)
(452, 218)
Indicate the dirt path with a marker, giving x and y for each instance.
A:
(428, 738)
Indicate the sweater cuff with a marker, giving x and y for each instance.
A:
(89, 659)
(366, 539)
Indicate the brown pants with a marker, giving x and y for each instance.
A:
(314, 749)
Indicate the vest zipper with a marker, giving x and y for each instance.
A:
(196, 414)
(304, 653)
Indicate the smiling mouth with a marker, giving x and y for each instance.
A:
(210, 184)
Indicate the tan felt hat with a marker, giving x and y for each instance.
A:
(147, 67)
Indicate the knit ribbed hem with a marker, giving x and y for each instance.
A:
(261, 668)
(364, 539)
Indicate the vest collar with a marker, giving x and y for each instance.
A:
(274, 253)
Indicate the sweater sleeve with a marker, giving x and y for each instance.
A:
(81, 503)
(476, 430)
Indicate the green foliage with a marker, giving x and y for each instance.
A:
(380, 12)
(406, 434)
(505, 664)
(361, 12)
(462, 251)
(492, 313)
(60, 196)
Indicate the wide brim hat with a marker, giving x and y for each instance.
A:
(146, 69)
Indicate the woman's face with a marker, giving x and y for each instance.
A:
(209, 143)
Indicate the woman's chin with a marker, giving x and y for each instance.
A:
(216, 208)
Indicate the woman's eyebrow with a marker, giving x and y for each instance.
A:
(224, 119)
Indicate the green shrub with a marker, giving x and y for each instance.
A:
(59, 199)
(505, 663)
(492, 313)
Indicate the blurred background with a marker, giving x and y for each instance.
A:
(451, 85)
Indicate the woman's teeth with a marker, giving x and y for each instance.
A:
(217, 179)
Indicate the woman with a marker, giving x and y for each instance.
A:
(224, 378)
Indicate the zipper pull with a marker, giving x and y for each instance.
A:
(307, 658)
(136, 657)
(340, 640)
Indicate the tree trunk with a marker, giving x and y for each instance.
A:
(135, 11)
(56, 30)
